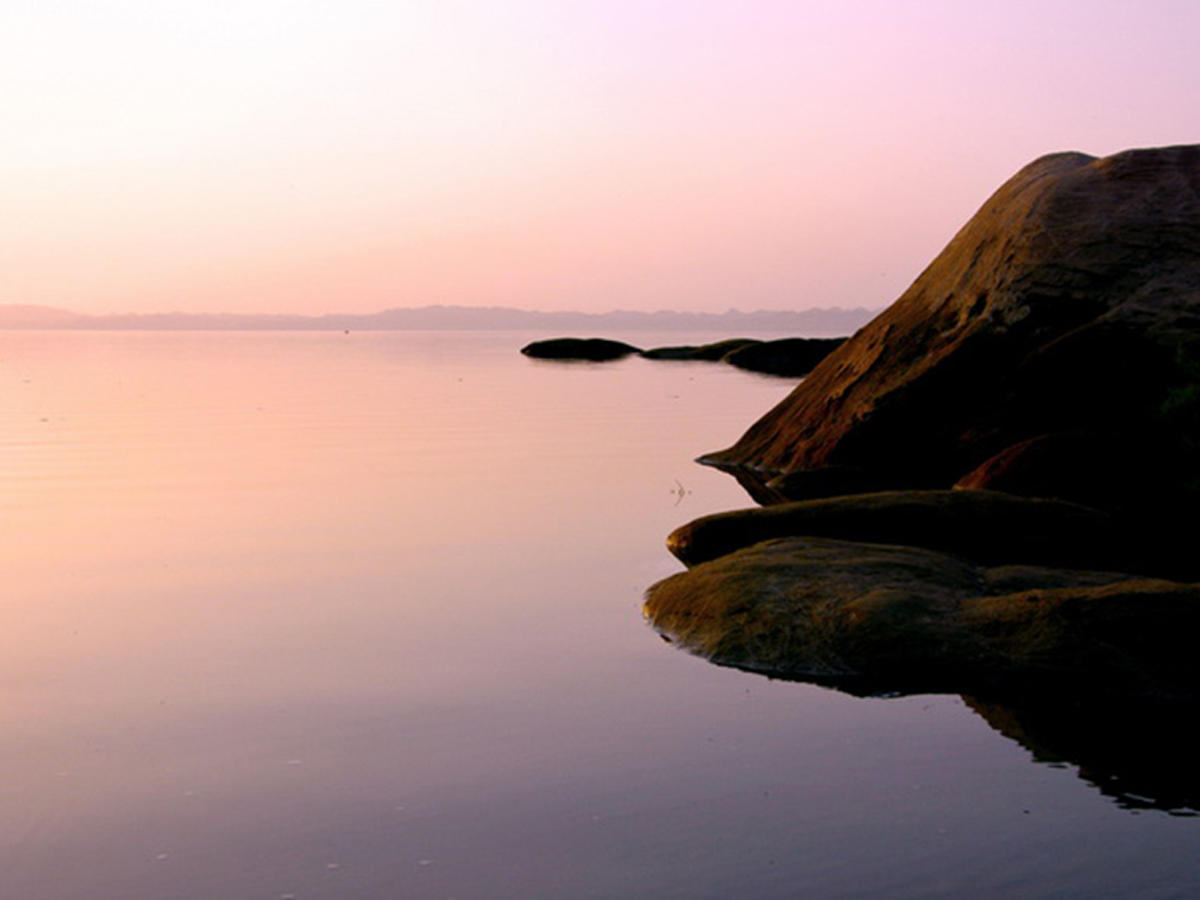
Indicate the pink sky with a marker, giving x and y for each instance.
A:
(293, 155)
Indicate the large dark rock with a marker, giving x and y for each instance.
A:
(592, 349)
(983, 526)
(706, 352)
(1069, 302)
(787, 357)
(873, 618)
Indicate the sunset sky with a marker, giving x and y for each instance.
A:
(263, 155)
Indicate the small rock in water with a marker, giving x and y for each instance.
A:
(593, 349)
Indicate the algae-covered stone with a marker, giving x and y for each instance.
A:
(877, 618)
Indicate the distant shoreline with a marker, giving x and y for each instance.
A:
(830, 322)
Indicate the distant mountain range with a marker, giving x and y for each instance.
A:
(830, 322)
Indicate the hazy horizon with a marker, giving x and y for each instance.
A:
(827, 322)
(420, 307)
(299, 157)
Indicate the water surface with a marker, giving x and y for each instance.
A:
(326, 615)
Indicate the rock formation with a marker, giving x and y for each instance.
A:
(1051, 351)
(787, 357)
(1069, 303)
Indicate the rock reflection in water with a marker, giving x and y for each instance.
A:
(1141, 753)
(1089, 668)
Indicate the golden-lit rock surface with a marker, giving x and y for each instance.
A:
(1070, 300)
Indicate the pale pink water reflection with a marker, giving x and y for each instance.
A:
(358, 615)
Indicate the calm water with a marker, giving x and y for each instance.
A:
(325, 616)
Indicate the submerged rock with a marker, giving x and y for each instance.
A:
(1069, 302)
(593, 349)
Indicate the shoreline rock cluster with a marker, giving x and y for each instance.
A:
(990, 488)
(786, 357)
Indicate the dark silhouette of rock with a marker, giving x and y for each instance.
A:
(787, 357)
(593, 349)
(1069, 302)
(707, 352)
(983, 526)
(875, 618)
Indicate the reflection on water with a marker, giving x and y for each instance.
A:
(1141, 751)
(1142, 754)
(356, 616)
